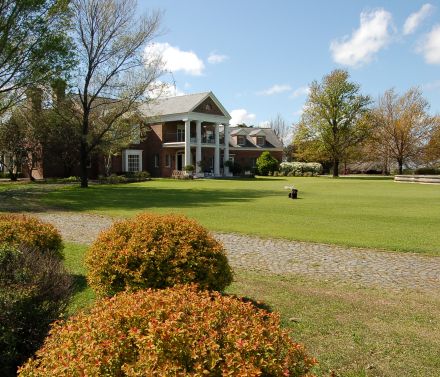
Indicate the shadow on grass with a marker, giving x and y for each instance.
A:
(24, 197)
(79, 283)
(143, 197)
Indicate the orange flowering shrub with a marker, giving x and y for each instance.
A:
(177, 331)
(30, 232)
(156, 251)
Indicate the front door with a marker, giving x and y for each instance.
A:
(179, 161)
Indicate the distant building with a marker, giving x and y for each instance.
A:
(186, 130)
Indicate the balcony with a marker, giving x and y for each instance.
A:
(179, 137)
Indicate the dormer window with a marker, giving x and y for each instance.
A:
(241, 140)
(261, 140)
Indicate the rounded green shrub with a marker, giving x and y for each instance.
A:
(34, 291)
(156, 251)
(30, 232)
(267, 164)
(177, 331)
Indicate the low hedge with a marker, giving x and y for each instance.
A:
(177, 331)
(34, 291)
(300, 169)
(427, 171)
(30, 232)
(156, 251)
(128, 177)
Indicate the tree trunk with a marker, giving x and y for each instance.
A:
(108, 164)
(83, 165)
(400, 162)
(335, 167)
(13, 176)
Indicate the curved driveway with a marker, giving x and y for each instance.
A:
(360, 267)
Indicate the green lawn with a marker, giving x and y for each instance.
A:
(360, 212)
(353, 331)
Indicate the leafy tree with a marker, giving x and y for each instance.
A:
(34, 45)
(12, 147)
(402, 126)
(306, 146)
(432, 150)
(331, 119)
(113, 75)
(20, 136)
(266, 163)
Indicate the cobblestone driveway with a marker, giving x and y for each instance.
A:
(358, 266)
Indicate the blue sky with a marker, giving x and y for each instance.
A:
(258, 57)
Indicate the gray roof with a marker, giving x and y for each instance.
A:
(272, 141)
(178, 105)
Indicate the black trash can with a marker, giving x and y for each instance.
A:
(293, 194)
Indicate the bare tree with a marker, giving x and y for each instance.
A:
(113, 75)
(403, 126)
(280, 127)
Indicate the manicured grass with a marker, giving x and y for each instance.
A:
(356, 332)
(360, 212)
(353, 331)
(83, 295)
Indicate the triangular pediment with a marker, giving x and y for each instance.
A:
(208, 106)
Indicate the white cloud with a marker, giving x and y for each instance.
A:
(161, 89)
(414, 19)
(239, 116)
(430, 46)
(372, 36)
(301, 91)
(175, 59)
(214, 58)
(275, 89)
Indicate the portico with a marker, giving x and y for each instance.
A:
(198, 126)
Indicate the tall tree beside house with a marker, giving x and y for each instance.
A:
(61, 134)
(20, 136)
(113, 75)
(34, 45)
(332, 116)
(126, 131)
(402, 126)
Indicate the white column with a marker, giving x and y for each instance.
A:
(217, 151)
(198, 146)
(226, 150)
(187, 142)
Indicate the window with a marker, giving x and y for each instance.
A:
(156, 160)
(180, 132)
(168, 160)
(133, 162)
(241, 140)
(261, 140)
(253, 162)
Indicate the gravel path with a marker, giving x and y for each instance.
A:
(361, 267)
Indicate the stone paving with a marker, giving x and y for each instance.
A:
(361, 267)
